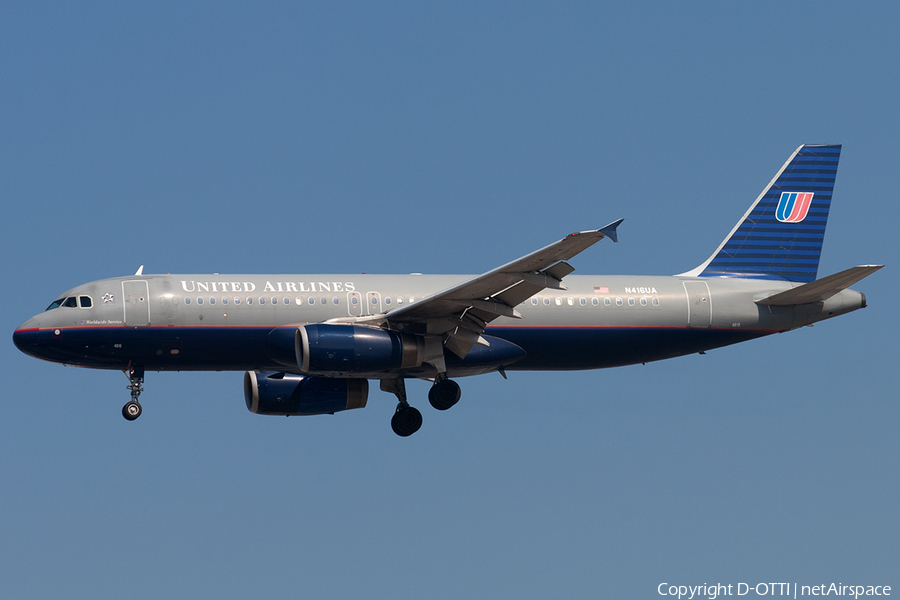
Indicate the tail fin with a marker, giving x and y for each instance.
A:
(780, 237)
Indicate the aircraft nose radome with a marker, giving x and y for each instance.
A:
(22, 332)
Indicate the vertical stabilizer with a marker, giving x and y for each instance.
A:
(780, 237)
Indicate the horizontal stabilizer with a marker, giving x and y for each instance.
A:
(821, 289)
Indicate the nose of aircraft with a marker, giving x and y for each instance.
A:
(24, 332)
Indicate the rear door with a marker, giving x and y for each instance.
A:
(699, 304)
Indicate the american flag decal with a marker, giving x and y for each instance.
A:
(601, 289)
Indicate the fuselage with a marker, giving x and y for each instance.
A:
(241, 322)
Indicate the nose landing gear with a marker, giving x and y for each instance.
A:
(132, 409)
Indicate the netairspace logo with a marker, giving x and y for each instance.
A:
(793, 590)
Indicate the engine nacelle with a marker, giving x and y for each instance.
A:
(287, 394)
(355, 351)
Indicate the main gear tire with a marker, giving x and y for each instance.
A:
(406, 421)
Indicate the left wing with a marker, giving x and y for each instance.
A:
(462, 312)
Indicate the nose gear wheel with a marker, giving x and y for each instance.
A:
(132, 409)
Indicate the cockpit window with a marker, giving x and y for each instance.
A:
(70, 302)
(55, 304)
(84, 301)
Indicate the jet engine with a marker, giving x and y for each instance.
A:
(287, 394)
(355, 350)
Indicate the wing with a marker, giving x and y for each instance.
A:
(462, 312)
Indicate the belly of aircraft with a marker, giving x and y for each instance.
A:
(246, 348)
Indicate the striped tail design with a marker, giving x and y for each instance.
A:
(781, 235)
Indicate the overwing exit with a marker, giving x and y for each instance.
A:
(310, 343)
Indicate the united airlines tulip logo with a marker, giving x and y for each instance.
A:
(793, 206)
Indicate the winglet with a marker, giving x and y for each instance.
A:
(610, 230)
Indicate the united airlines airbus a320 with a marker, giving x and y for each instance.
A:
(310, 343)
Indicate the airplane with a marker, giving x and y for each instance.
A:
(310, 343)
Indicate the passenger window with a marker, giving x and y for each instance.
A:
(70, 302)
(387, 300)
(399, 300)
(546, 301)
(631, 302)
(534, 301)
(312, 300)
(324, 300)
(655, 302)
(353, 300)
(85, 301)
(262, 300)
(274, 300)
(212, 300)
(643, 302)
(249, 300)
(336, 301)
(199, 300)
(187, 300)
(224, 300)
(570, 301)
(595, 301)
(618, 302)
(298, 300)
(606, 301)
(559, 301)
(582, 301)
(237, 300)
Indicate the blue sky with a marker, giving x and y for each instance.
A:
(396, 138)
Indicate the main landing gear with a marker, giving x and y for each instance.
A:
(444, 393)
(132, 409)
(407, 420)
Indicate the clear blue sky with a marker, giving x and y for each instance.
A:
(396, 138)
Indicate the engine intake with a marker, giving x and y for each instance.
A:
(287, 394)
(355, 351)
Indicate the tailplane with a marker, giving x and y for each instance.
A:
(780, 237)
(820, 290)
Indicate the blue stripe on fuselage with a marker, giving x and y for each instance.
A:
(240, 348)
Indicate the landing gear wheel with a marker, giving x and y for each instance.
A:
(132, 410)
(444, 394)
(406, 421)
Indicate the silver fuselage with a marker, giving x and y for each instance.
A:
(226, 322)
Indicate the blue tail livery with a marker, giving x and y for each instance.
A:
(780, 237)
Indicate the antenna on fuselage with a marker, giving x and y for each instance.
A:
(140, 270)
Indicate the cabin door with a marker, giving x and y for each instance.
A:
(699, 305)
(137, 303)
